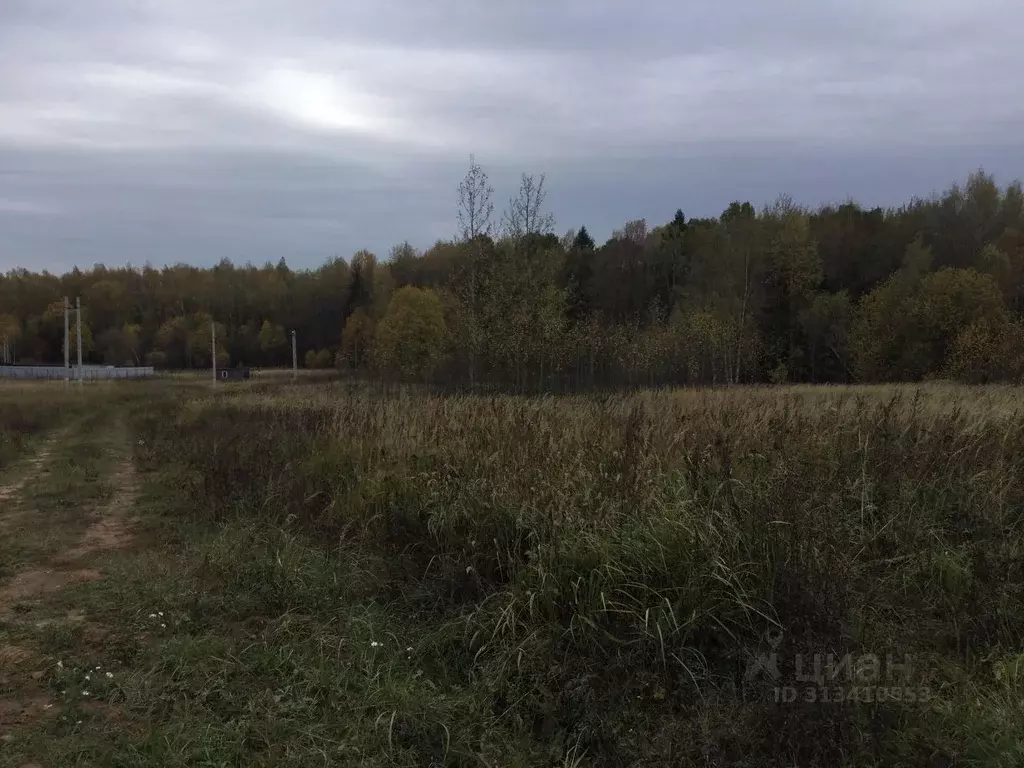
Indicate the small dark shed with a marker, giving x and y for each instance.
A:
(233, 374)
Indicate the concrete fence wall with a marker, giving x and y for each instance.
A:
(60, 372)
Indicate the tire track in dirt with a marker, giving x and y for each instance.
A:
(15, 658)
(109, 530)
(112, 529)
(35, 466)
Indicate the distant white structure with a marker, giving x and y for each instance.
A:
(91, 372)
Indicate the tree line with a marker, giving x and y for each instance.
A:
(934, 288)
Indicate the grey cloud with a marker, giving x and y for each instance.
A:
(150, 130)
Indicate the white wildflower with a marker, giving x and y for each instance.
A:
(87, 677)
(163, 626)
(85, 693)
(152, 615)
(110, 675)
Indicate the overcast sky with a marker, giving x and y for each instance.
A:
(193, 130)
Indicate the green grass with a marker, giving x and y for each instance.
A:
(324, 576)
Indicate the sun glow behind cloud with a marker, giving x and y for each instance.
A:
(318, 101)
(224, 119)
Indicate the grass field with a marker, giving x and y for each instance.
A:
(313, 573)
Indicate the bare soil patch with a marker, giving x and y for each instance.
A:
(35, 583)
(24, 711)
(12, 656)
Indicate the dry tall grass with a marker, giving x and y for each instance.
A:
(600, 572)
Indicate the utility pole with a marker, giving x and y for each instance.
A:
(67, 345)
(295, 359)
(78, 319)
(213, 346)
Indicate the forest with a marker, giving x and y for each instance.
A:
(841, 293)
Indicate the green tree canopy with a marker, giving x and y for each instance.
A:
(357, 339)
(907, 327)
(411, 337)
